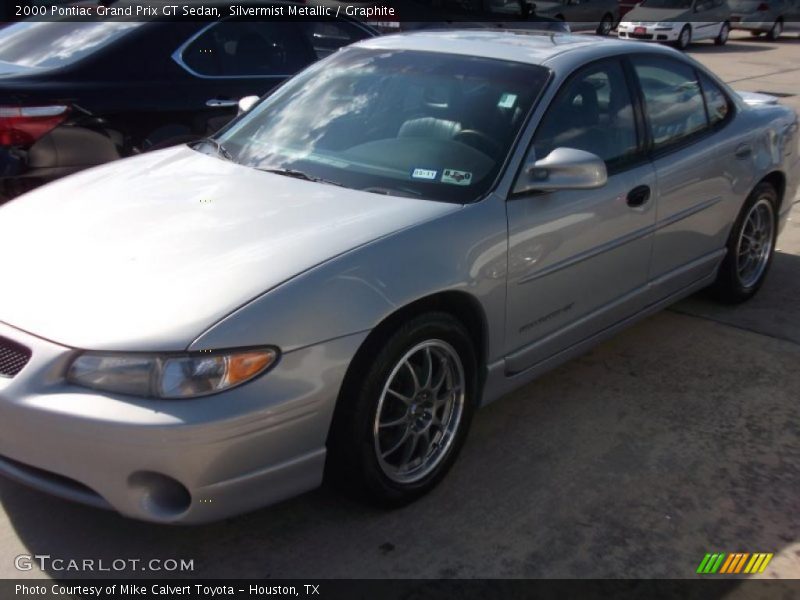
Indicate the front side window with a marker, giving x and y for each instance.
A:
(421, 124)
(673, 100)
(250, 49)
(328, 36)
(591, 112)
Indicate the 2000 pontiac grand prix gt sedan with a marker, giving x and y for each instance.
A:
(403, 232)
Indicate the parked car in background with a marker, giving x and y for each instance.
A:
(415, 15)
(335, 282)
(677, 21)
(582, 15)
(78, 94)
(770, 17)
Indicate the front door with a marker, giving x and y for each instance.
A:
(578, 259)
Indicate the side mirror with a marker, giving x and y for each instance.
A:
(562, 169)
(247, 103)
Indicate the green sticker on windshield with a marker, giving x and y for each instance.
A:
(507, 101)
(456, 177)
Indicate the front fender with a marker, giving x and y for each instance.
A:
(464, 250)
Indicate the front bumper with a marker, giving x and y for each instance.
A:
(647, 32)
(180, 461)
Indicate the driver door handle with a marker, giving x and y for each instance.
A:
(221, 103)
(639, 196)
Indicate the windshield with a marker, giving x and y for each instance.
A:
(684, 4)
(399, 122)
(56, 44)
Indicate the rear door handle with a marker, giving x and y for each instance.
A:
(743, 151)
(221, 103)
(639, 196)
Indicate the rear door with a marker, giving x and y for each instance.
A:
(707, 19)
(696, 165)
(235, 58)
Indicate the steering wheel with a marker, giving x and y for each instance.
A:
(479, 141)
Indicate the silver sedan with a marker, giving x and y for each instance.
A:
(402, 233)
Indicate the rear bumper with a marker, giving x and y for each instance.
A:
(751, 23)
(189, 461)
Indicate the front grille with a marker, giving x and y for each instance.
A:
(13, 357)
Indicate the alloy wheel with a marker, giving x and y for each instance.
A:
(419, 411)
(754, 246)
(685, 38)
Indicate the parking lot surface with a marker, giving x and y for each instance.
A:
(679, 437)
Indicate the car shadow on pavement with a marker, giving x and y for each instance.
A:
(678, 437)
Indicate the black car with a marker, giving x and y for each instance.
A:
(78, 94)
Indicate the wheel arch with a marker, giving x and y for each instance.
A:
(459, 304)
(778, 180)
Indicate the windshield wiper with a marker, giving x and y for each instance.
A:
(221, 150)
(301, 175)
(393, 191)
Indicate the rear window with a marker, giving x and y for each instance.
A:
(49, 45)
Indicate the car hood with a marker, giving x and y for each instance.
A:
(148, 252)
(653, 15)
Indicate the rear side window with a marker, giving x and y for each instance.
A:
(49, 45)
(235, 48)
(250, 49)
(673, 99)
(327, 37)
(719, 107)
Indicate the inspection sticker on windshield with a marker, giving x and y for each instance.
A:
(507, 101)
(429, 174)
(456, 177)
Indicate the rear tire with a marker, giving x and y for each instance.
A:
(751, 246)
(606, 25)
(404, 412)
(722, 36)
(775, 31)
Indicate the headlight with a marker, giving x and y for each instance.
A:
(170, 376)
(665, 25)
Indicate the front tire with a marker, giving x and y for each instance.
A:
(685, 38)
(404, 412)
(751, 246)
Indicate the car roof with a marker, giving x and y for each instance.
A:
(533, 47)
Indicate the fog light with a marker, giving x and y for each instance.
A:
(160, 496)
